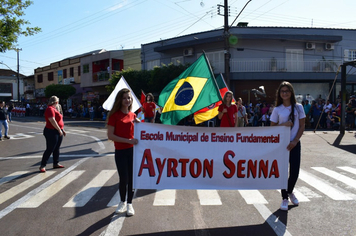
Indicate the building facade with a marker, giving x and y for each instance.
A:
(11, 86)
(265, 56)
(89, 73)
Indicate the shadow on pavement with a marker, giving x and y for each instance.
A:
(349, 148)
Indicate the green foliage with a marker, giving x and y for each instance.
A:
(11, 23)
(62, 91)
(152, 81)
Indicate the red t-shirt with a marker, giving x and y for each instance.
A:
(231, 112)
(52, 112)
(124, 127)
(149, 109)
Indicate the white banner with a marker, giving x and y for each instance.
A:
(190, 157)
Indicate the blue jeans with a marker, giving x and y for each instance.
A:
(148, 119)
(91, 115)
(6, 125)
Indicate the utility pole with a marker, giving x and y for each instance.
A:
(227, 37)
(18, 73)
(226, 43)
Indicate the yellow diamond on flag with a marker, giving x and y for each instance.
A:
(185, 94)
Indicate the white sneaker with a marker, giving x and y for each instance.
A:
(121, 208)
(293, 199)
(130, 210)
(284, 205)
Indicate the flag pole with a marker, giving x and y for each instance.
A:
(211, 71)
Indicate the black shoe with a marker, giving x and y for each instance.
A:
(6, 137)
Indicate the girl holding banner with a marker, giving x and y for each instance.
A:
(120, 129)
(227, 111)
(290, 113)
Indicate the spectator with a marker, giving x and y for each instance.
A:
(241, 114)
(335, 121)
(4, 119)
(326, 108)
(307, 110)
(350, 120)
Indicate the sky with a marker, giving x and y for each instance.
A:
(73, 27)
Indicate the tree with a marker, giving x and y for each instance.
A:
(152, 81)
(62, 91)
(11, 23)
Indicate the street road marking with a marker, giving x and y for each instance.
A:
(20, 136)
(301, 197)
(337, 176)
(12, 176)
(308, 193)
(165, 197)
(85, 194)
(115, 225)
(114, 202)
(117, 221)
(348, 169)
(16, 204)
(279, 228)
(253, 197)
(75, 131)
(209, 197)
(51, 190)
(323, 187)
(23, 186)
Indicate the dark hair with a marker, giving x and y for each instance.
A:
(293, 101)
(224, 99)
(118, 102)
(150, 94)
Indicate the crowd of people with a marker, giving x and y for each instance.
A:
(82, 110)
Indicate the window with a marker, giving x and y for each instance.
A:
(177, 61)
(39, 78)
(350, 54)
(78, 70)
(50, 76)
(294, 60)
(217, 60)
(71, 72)
(86, 68)
(152, 64)
(64, 73)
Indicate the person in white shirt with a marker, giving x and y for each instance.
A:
(326, 108)
(290, 113)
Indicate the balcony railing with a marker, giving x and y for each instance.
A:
(283, 65)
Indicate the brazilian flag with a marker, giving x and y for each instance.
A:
(193, 90)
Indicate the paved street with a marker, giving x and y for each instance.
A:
(81, 198)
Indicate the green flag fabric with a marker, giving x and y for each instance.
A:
(193, 90)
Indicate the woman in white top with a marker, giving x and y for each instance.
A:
(289, 113)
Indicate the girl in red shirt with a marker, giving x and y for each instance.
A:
(228, 111)
(149, 108)
(120, 129)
